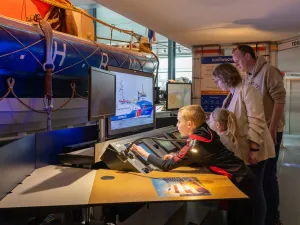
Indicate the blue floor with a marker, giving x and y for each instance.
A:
(289, 180)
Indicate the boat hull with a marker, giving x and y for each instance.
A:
(23, 48)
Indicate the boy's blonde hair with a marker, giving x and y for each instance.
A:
(228, 120)
(193, 113)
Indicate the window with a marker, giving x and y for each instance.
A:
(160, 47)
(183, 62)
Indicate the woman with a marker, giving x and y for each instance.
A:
(255, 144)
(254, 140)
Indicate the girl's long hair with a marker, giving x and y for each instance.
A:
(228, 120)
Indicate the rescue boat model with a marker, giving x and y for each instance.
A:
(38, 63)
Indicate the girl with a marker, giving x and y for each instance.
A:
(224, 123)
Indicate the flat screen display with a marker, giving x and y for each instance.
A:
(179, 95)
(145, 147)
(102, 94)
(167, 145)
(134, 102)
(177, 135)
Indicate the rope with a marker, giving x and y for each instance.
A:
(73, 86)
(24, 8)
(48, 67)
(147, 50)
(142, 48)
(26, 48)
(84, 59)
(85, 98)
(68, 67)
(78, 52)
(7, 93)
(114, 57)
(11, 82)
(73, 8)
(21, 49)
(127, 56)
(22, 45)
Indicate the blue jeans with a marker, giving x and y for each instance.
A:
(271, 188)
(259, 171)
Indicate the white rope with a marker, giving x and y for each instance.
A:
(78, 52)
(22, 45)
(78, 62)
(10, 53)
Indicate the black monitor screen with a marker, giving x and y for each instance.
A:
(145, 147)
(167, 145)
(102, 94)
(177, 134)
(179, 95)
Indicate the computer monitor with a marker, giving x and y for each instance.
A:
(134, 102)
(145, 147)
(179, 94)
(167, 145)
(176, 134)
(102, 94)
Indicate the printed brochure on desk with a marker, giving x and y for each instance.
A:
(179, 186)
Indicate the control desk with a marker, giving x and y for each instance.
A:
(109, 151)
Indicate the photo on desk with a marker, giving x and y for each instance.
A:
(179, 186)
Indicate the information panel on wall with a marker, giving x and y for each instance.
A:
(212, 96)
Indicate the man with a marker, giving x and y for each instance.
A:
(268, 80)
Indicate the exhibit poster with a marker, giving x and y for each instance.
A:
(179, 186)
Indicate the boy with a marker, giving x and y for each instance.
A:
(205, 148)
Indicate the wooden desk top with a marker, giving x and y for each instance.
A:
(63, 186)
(52, 186)
(137, 187)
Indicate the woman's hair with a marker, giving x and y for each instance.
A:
(228, 74)
(228, 120)
(193, 113)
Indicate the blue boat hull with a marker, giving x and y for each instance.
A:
(22, 53)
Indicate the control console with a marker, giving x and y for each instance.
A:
(110, 151)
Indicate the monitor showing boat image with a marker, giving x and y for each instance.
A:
(102, 94)
(134, 102)
(179, 95)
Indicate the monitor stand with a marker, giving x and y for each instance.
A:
(101, 130)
